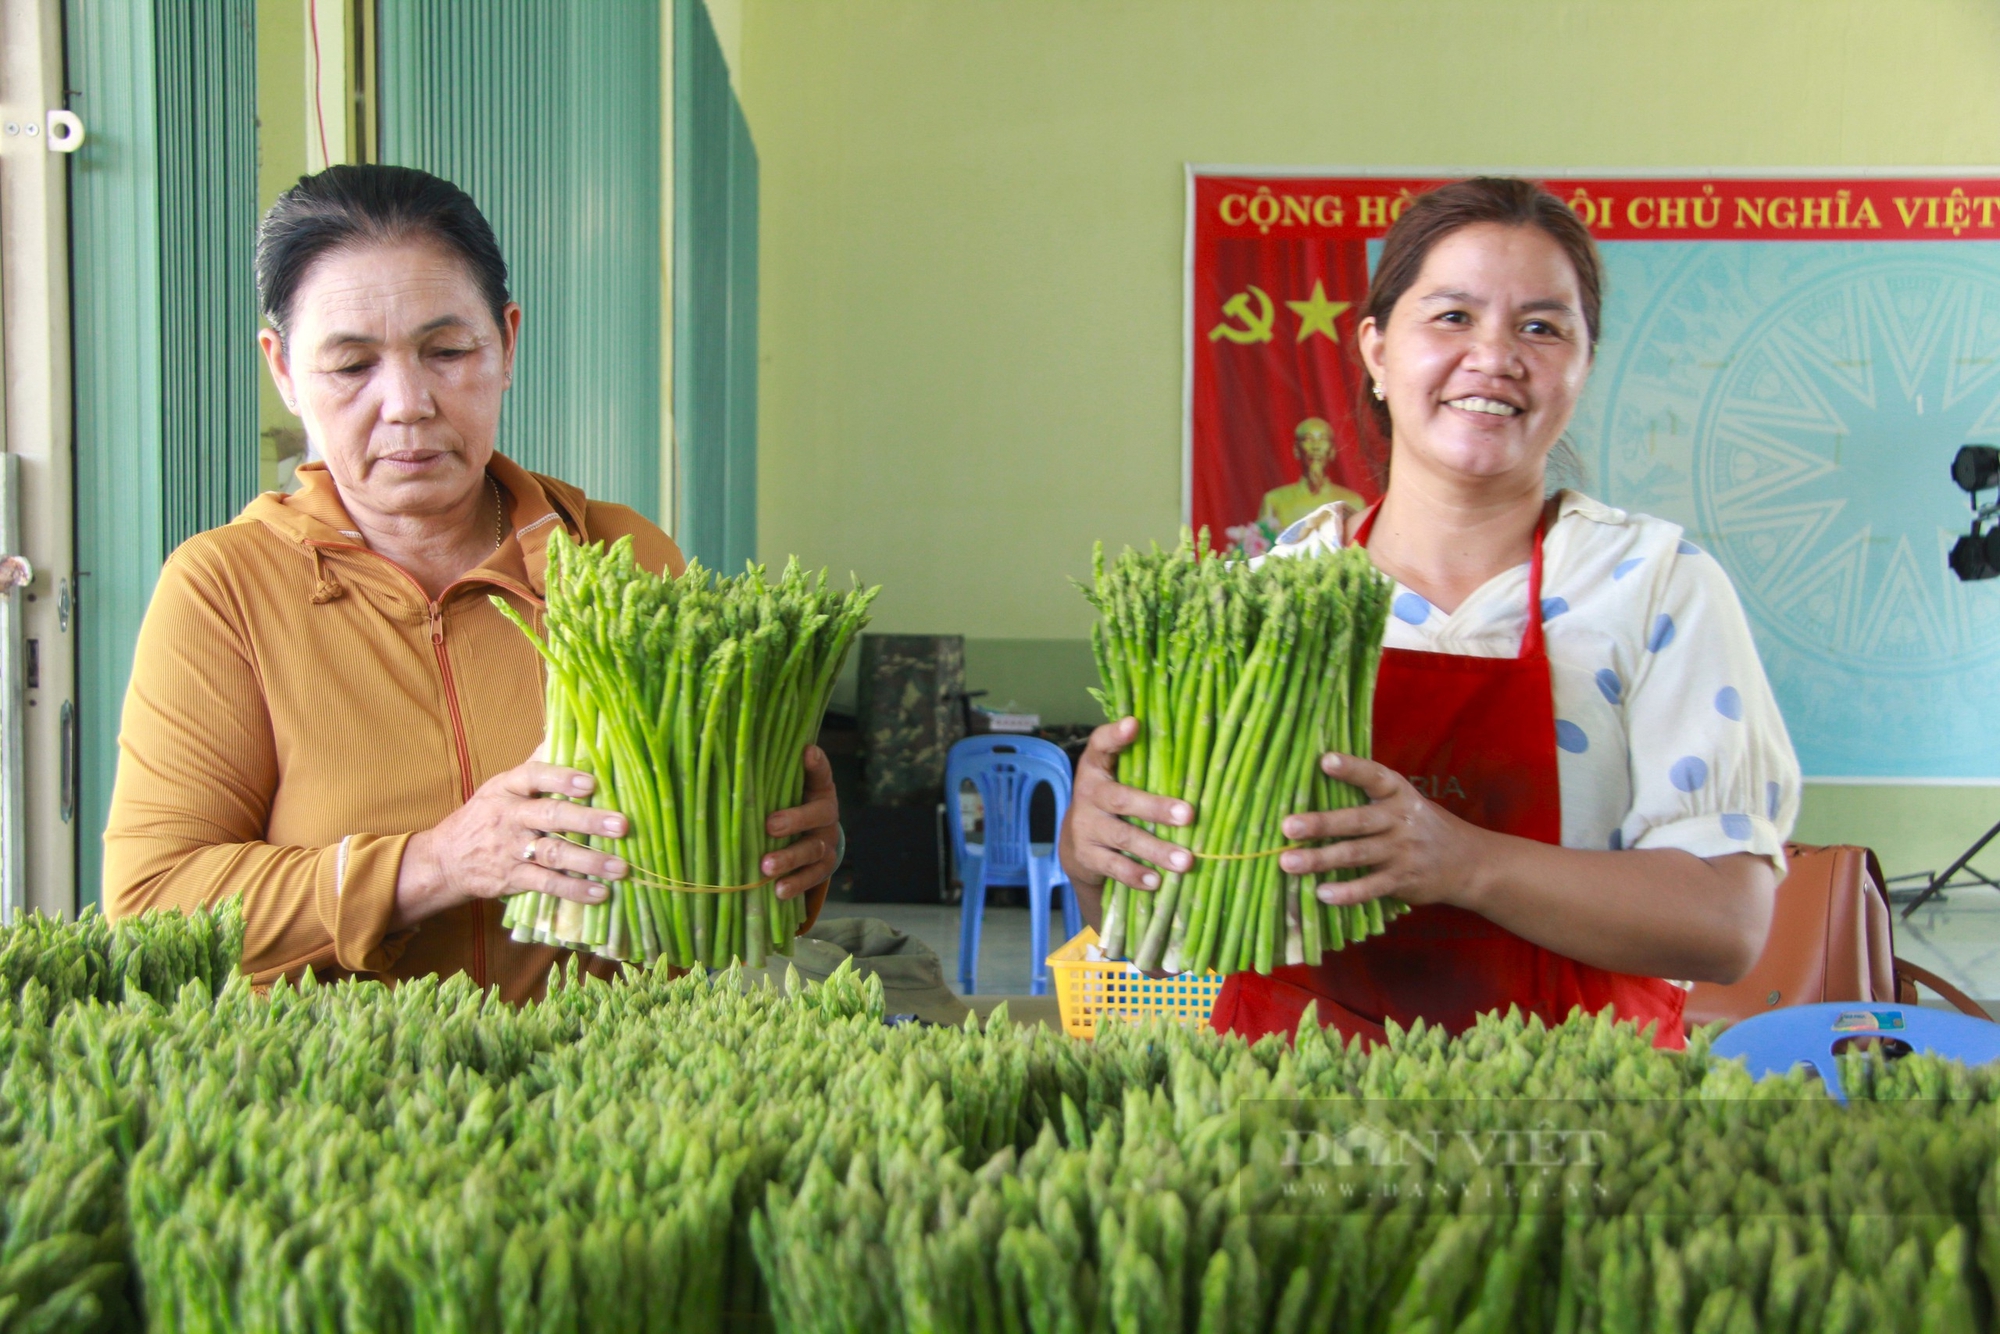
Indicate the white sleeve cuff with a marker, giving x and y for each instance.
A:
(1718, 835)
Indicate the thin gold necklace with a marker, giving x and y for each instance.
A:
(499, 512)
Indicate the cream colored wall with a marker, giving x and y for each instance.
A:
(727, 16)
(972, 245)
(281, 97)
(281, 160)
(333, 133)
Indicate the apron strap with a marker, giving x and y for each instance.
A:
(1533, 643)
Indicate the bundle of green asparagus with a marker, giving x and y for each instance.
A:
(1241, 679)
(691, 701)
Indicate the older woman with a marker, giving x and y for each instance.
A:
(1580, 777)
(327, 715)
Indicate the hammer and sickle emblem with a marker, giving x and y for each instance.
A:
(1256, 327)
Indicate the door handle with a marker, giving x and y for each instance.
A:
(68, 749)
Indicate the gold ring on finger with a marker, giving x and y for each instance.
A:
(528, 853)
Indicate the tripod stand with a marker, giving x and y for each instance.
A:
(1943, 881)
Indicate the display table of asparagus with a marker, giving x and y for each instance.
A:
(181, 1153)
(1241, 677)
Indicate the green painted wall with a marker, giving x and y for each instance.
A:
(972, 242)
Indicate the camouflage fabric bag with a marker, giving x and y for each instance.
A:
(912, 711)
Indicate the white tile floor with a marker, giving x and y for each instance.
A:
(1957, 936)
(1005, 966)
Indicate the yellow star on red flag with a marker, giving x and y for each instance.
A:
(1317, 314)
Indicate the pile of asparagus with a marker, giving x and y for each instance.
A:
(702, 1153)
(1241, 678)
(691, 700)
(1212, 1198)
(81, 1005)
(90, 959)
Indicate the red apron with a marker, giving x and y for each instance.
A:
(1478, 737)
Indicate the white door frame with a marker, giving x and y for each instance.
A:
(35, 336)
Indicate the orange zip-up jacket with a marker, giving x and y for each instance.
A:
(299, 708)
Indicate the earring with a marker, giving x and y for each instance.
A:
(1379, 391)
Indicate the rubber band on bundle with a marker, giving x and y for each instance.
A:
(1245, 856)
(642, 875)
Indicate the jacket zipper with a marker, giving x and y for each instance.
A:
(435, 613)
(464, 777)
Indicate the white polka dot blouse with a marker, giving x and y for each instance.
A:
(1667, 735)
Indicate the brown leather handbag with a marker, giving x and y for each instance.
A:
(1832, 939)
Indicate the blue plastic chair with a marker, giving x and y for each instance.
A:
(1773, 1043)
(1006, 770)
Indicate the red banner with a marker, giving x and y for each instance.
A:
(1728, 209)
(1280, 270)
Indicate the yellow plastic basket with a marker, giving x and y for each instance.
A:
(1088, 990)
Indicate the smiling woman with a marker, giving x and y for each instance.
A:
(327, 714)
(1445, 213)
(1580, 777)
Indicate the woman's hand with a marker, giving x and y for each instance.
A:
(1656, 912)
(810, 859)
(1413, 848)
(502, 842)
(1098, 841)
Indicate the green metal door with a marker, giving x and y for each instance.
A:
(715, 301)
(163, 215)
(548, 113)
